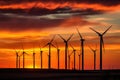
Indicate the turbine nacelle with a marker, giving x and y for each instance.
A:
(74, 50)
(34, 54)
(82, 39)
(79, 54)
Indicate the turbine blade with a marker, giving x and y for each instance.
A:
(52, 39)
(53, 45)
(94, 30)
(79, 33)
(70, 53)
(26, 53)
(70, 37)
(71, 46)
(56, 45)
(107, 30)
(45, 45)
(95, 47)
(91, 48)
(61, 37)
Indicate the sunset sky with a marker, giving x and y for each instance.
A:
(34, 22)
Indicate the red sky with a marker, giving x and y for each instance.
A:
(20, 21)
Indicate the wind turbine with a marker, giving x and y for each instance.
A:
(49, 44)
(94, 52)
(74, 52)
(82, 48)
(101, 42)
(41, 57)
(58, 55)
(17, 54)
(23, 53)
(79, 60)
(19, 60)
(33, 58)
(66, 48)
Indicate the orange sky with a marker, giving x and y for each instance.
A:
(39, 29)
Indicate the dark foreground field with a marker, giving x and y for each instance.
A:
(53, 74)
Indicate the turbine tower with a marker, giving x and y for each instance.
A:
(66, 48)
(94, 52)
(82, 48)
(74, 52)
(101, 43)
(41, 57)
(19, 60)
(49, 55)
(58, 55)
(17, 54)
(69, 55)
(79, 55)
(33, 58)
(23, 53)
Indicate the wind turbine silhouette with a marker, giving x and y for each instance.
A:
(58, 55)
(82, 47)
(101, 42)
(94, 52)
(69, 55)
(79, 60)
(49, 55)
(74, 52)
(33, 58)
(69, 61)
(41, 57)
(17, 55)
(66, 48)
(19, 60)
(23, 53)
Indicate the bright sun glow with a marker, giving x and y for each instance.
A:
(31, 66)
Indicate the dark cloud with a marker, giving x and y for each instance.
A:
(17, 23)
(43, 8)
(14, 24)
(44, 11)
(102, 2)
